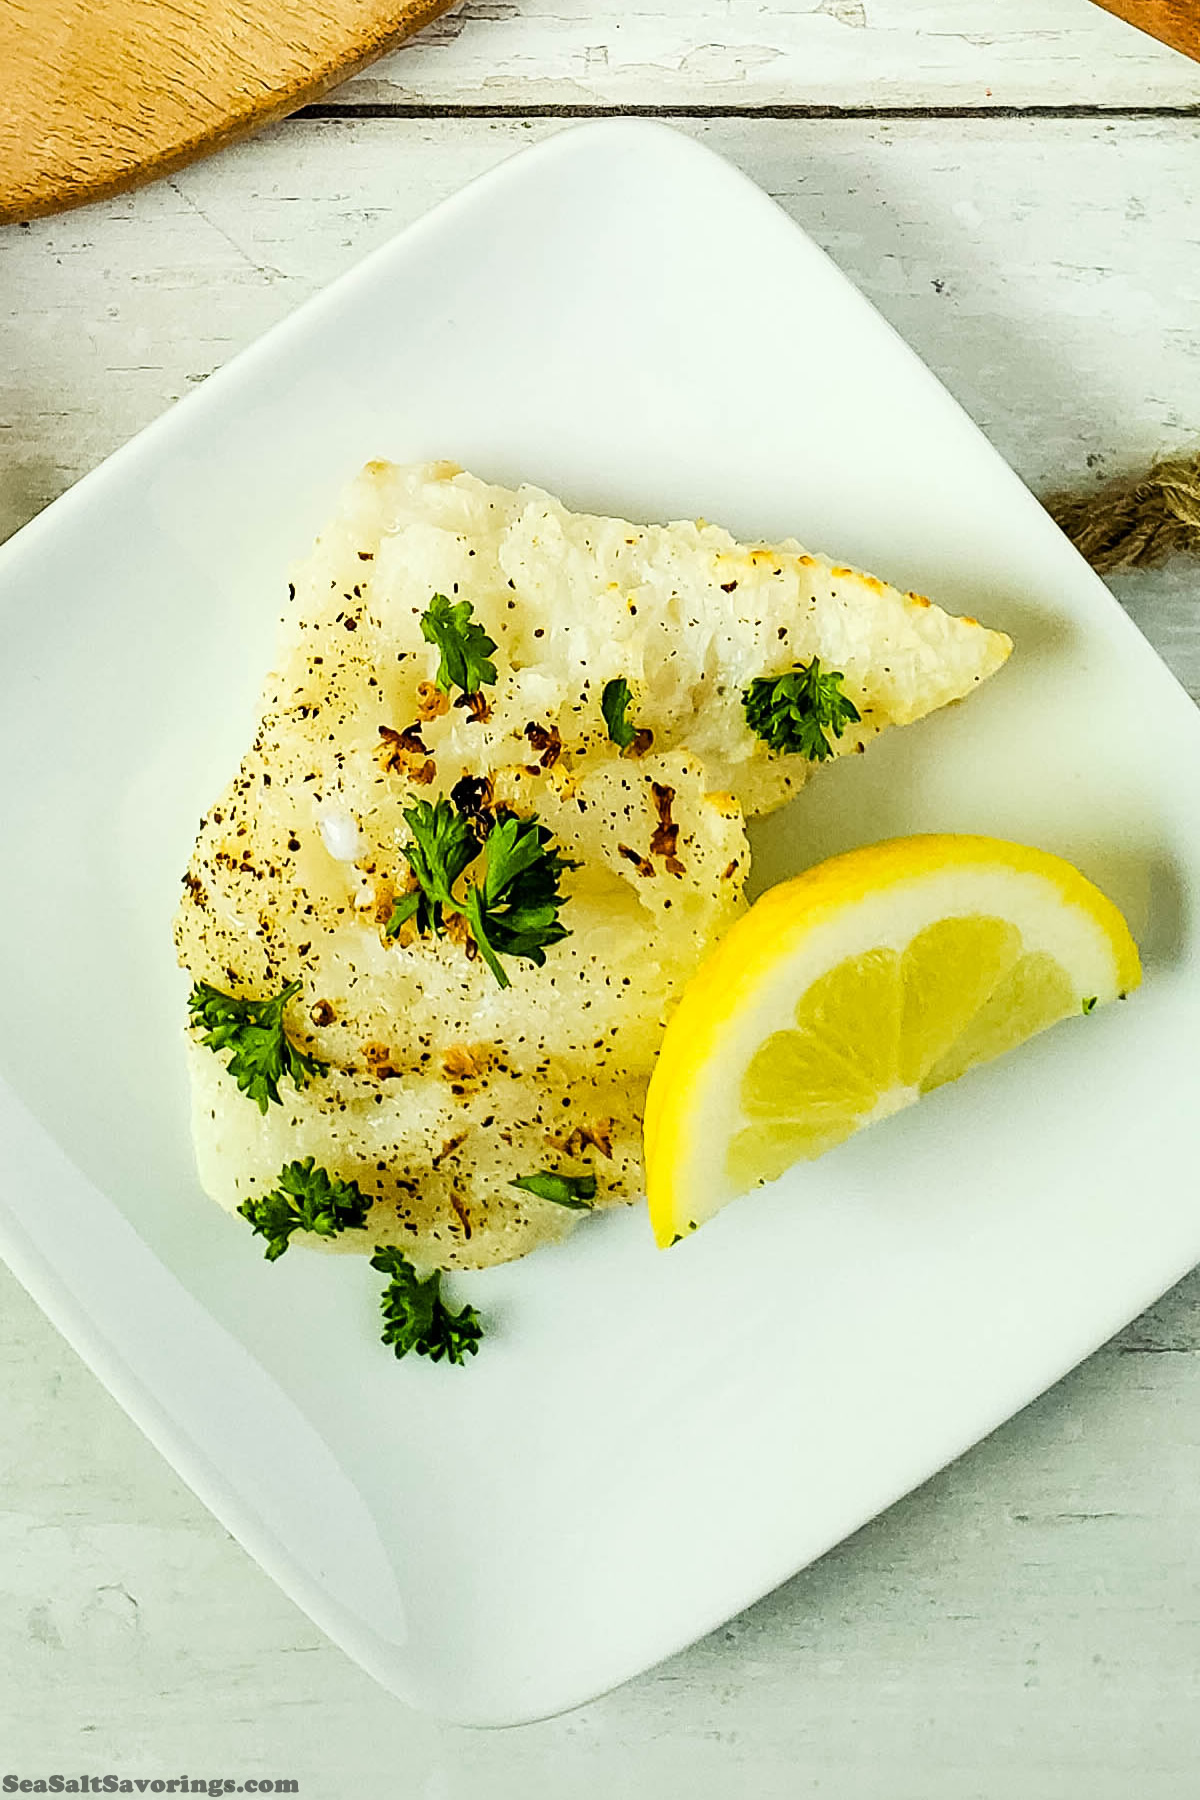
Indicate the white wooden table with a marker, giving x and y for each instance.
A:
(1017, 187)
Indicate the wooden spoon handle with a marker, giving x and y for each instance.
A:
(1176, 22)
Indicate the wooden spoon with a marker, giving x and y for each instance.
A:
(100, 95)
(1176, 22)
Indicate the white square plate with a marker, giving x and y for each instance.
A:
(647, 1442)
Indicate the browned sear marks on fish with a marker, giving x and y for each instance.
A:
(385, 897)
(642, 864)
(408, 741)
(405, 753)
(473, 796)
(464, 1217)
(546, 741)
(665, 840)
(461, 1063)
(448, 1148)
(476, 705)
(431, 701)
(456, 928)
(378, 1058)
(595, 1136)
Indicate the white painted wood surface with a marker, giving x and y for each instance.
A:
(737, 53)
(1026, 1625)
(1048, 271)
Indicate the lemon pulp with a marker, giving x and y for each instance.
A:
(881, 1029)
(783, 1047)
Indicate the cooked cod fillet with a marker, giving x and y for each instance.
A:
(443, 1086)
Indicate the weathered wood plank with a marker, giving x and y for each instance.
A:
(1027, 1623)
(743, 53)
(1050, 277)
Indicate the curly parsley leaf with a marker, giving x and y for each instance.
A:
(465, 646)
(575, 1191)
(305, 1198)
(796, 712)
(417, 1319)
(444, 845)
(254, 1030)
(406, 907)
(615, 702)
(514, 912)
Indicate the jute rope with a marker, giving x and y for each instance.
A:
(1132, 524)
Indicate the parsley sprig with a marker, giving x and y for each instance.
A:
(796, 712)
(444, 845)
(305, 1198)
(465, 647)
(263, 1053)
(512, 910)
(615, 702)
(416, 1318)
(575, 1191)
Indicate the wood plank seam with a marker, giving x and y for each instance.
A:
(468, 110)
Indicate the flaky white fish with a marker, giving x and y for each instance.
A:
(443, 1086)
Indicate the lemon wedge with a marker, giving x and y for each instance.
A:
(848, 993)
